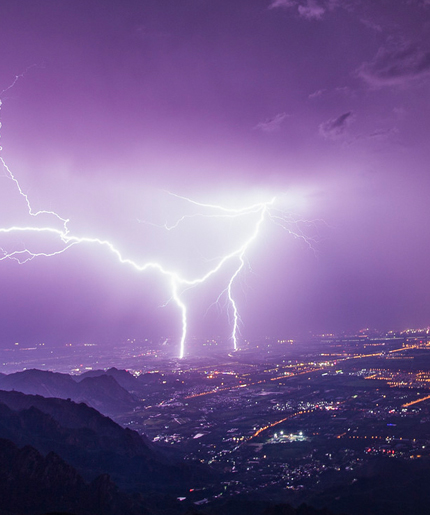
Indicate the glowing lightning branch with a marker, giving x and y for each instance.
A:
(228, 212)
(68, 240)
(264, 210)
(239, 253)
(22, 256)
(236, 317)
(11, 176)
(183, 309)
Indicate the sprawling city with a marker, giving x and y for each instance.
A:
(278, 420)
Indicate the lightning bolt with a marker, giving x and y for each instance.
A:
(68, 240)
(263, 208)
(260, 212)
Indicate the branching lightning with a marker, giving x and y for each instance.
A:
(258, 213)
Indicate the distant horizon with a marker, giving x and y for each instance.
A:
(135, 355)
(170, 340)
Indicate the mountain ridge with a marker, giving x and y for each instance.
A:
(102, 392)
(92, 443)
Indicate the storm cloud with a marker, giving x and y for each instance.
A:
(396, 64)
(336, 127)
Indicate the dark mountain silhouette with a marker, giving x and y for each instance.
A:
(92, 443)
(122, 377)
(105, 394)
(137, 386)
(64, 458)
(102, 392)
(40, 382)
(31, 483)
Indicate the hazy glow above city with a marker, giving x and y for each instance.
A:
(106, 108)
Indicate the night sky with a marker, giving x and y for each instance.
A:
(323, 104)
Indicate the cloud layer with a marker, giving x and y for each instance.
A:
(397, 63)
(336, 127)
(272, 124)
(308, 9)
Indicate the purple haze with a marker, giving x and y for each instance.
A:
(227, 102)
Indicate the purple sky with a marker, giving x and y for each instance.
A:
(322, 103)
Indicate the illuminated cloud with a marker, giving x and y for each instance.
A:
(327, 93)
(311, 10)
(285, 4)
(336, 127)
(272, 124)
(396, 64)
(317, 93)
(371, 25)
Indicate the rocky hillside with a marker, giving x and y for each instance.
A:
(92, 443)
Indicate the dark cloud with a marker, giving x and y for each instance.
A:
(383, 133)
(377, 135)
(395, 64)
(272, 124)
(336, 127)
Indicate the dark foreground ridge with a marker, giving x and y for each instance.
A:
(109, 465)
(32, 483)
(57, 456)
(92, 443)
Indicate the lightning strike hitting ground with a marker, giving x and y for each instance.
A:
(178, 283)
(67, 240)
